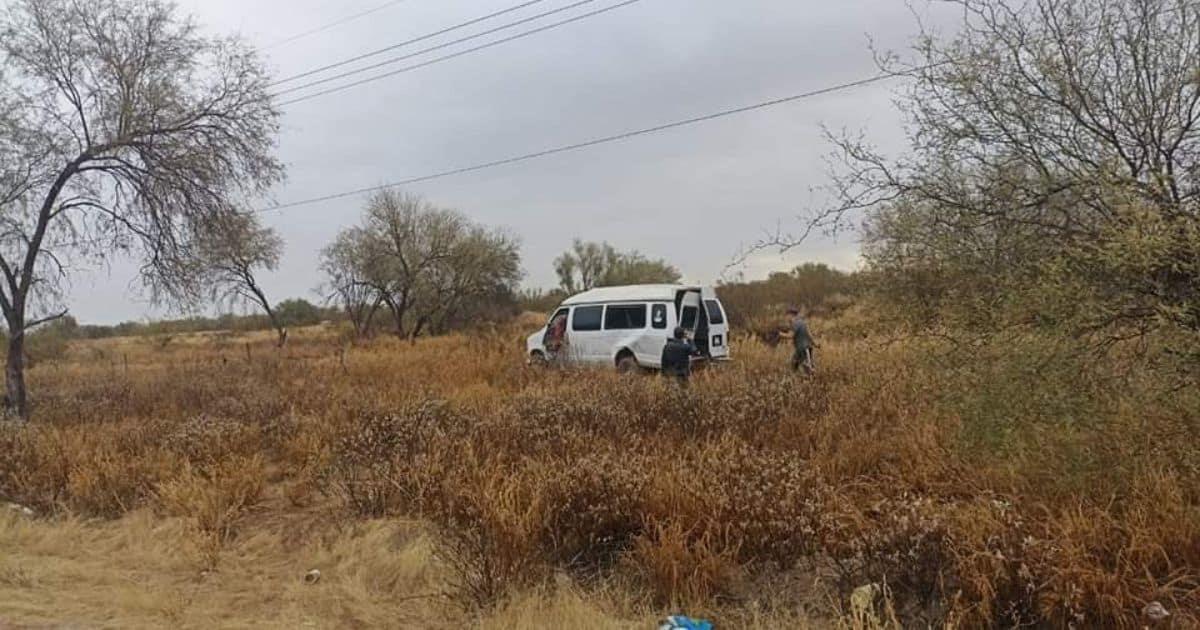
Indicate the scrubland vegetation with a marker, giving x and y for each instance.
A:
(195, 482)
(1000, 433)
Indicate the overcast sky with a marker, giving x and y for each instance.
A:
(689, 195)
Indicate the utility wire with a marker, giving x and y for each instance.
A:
(454, 55)
(334, 24)
(402, 44)
(588, 143)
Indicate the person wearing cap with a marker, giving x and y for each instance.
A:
(677, 356)
(802, 342)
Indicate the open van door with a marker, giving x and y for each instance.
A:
(688, 303)
(718, 324)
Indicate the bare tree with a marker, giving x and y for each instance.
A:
(125, 129)
(431, 267)
(587, 265)
(232, 251)
(1041, 133)
(348, 279)
(407, 239)
(474, 282)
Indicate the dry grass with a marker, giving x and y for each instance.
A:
(194, 483)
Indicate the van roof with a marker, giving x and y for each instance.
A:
(631, 293)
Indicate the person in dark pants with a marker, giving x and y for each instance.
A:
(802, 342)
(677, 356)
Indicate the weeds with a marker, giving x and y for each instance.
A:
(972, 494)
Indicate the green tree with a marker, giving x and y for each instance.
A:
(589, 265)
(297, 312)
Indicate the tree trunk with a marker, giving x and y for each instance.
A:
(280, 329)
(15, 399)
(370, 319)
(416, 331)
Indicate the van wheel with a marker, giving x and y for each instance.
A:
(538, 359)
(627, 364)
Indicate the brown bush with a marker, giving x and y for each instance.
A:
(214, 497)
(488, 535)
(686, 567)
(977, 493)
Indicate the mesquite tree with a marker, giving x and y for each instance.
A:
(121, 129)
(350, 282)
(231, 254)
(1053, 177)
(589, 265)
(431, 267)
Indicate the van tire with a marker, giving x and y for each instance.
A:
(627, 363)
(538, 359)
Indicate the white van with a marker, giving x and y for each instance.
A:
(628, 326)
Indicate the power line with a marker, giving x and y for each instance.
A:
(587, 143)
(335, 23)
(402, 44)
(454, 55)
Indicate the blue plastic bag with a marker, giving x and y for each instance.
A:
(680, 622)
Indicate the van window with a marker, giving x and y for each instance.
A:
(687, 319)
(715, 316)
(627, 317)
(588, 318)
(658, 316)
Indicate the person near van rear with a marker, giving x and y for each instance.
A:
(556, 336)
(677, 356)
(802, 342)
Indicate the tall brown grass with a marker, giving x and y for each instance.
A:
(973, 494)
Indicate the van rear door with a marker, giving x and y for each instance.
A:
(718, 325)
(688, 303)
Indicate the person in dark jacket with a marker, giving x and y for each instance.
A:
(802, 343)
(677, 356)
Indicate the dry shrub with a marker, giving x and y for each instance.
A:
(204, 440)
(378, 459)
(592, 512)
(766, 500)
(109, 484)
(990, 549)
(686, 566)
(104, 473)
(979, 494)
(488, 535)
(215, 497)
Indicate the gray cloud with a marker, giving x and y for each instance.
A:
(691, 195)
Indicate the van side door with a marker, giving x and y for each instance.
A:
(662, 326)
(586, 334)
(625, 327)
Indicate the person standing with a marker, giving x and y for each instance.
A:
(802, 343)
(555, 339)
(677, 356)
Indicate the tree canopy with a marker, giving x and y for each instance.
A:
(122, 129)
(588, 265)
(431, 268)
(1053, 176)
